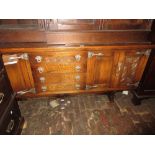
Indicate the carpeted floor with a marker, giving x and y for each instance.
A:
(88, 115)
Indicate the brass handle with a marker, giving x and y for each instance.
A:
(40, 69)
(38, 59)
(42, 79)
(1, 97)
(44, 88)
(77, 68)
(77, 86)
(77, 77)
(91, 54)
(77, 57)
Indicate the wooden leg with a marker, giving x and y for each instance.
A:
(135, 100)
(111, 96)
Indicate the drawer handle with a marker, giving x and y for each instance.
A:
(38, 59)
(10, 126)
(91, 54)
(42, 79)
(40, 69)
(44, 88)
(1, 97)
(77, 86)
(77, 68)
(77, 57)
(77, 77)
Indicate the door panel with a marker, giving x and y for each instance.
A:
(19, 72)
(132, 64)
(99, 68)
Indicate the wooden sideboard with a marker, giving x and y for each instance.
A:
(49, 57)
(64, 70)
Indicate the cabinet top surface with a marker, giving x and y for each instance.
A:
(45, 48)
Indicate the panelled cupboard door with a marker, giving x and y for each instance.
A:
(99, 69)
(19, 72)
(130, 67)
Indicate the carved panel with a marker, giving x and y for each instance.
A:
(131, 66)
(129, 70)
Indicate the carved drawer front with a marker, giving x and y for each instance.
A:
(59, 87)
(59, 62)
(52, 78)
(57, 58)
(59, 68)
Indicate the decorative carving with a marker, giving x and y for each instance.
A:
(124, 74)
(134, 64)
(118, 69)
(130, 67)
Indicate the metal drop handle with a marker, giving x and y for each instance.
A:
(1, 97)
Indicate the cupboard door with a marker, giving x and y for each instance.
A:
(19, 71)
(131, 66)
(99, 69)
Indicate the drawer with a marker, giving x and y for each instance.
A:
(51, 78)
(59, 68)
(64, 58)
(60, 87)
